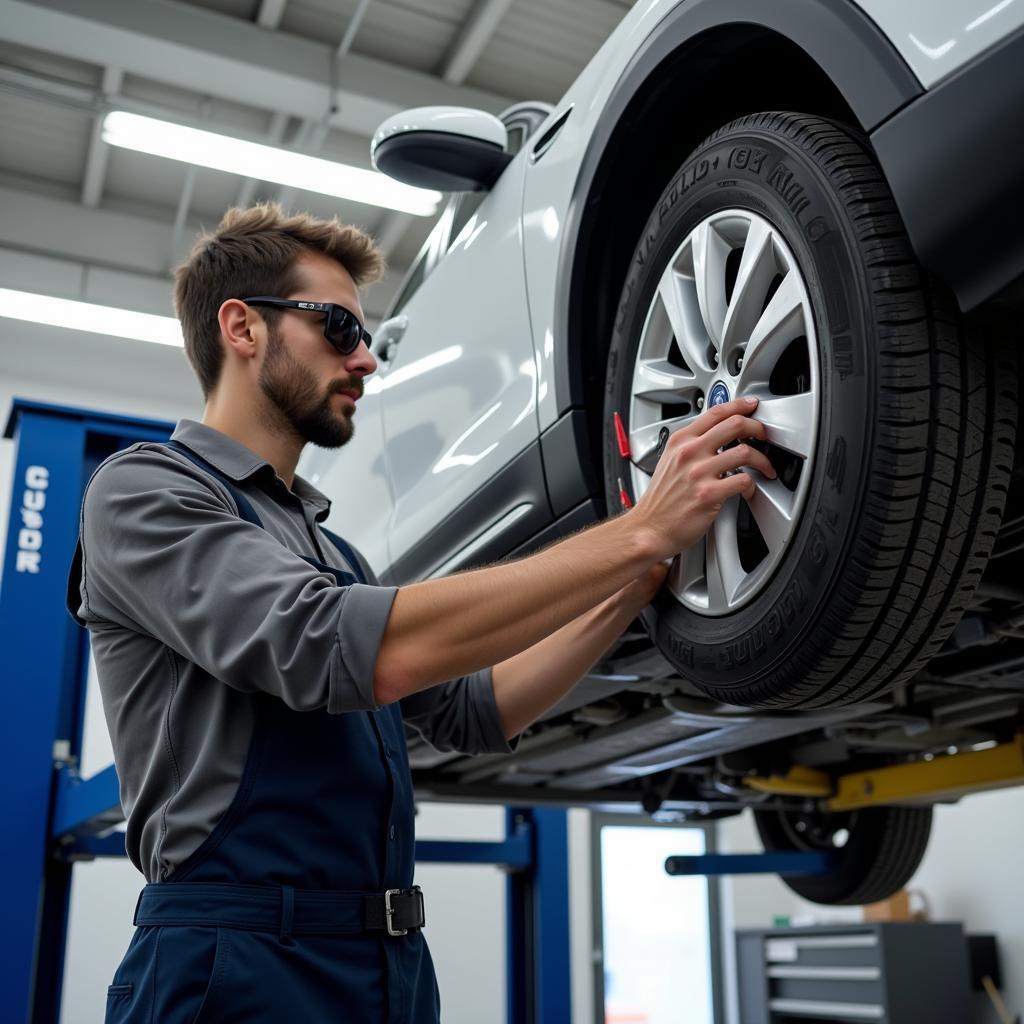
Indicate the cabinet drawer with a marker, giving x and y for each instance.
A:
(834, 951)
(827, 1009)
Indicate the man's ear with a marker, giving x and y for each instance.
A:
(239, 327)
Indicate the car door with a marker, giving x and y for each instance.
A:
(355, 478)
(458, 386)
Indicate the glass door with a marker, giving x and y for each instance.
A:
(658, 959)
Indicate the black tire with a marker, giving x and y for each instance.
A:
(917, 425)
(883, 850)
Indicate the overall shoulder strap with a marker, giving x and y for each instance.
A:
(346, 549)
(245, 509)
(248, 513)
(242, 503)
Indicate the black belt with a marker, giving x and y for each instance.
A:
(280, 908)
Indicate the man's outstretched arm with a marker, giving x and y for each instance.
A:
(444, 628)
(536, 679)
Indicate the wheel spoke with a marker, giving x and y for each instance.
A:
(678, 296)
(731, 288)
(756, 270)
(687, 568)
(789, 420)
(725, 571)
(778, 325)
(772, 508)
(643, 441)
(710, 252)
(658, 380)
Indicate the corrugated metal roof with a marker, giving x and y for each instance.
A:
(541, 46)
(410, 34)
(42, 140)
(49, 101)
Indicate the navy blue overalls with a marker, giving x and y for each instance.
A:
(264, 921)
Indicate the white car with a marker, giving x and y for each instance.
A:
(814, 201)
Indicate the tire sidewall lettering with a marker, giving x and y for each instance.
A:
(777, 182)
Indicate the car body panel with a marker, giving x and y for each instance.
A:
(838, 36)
(356, 480)
(460, 406)
(486, 445)
(937, 37)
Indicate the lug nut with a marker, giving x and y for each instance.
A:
(700, 401)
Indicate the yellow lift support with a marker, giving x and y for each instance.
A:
(943, 778)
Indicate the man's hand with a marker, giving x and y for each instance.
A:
(693, 479)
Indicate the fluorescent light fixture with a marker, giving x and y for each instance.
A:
(87, 316)
(267, 163)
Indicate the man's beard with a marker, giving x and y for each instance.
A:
(294, 398)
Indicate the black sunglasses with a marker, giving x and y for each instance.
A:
(342, 328)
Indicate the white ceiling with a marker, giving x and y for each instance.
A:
(80, 219)
(261, 69)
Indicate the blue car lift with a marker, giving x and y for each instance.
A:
(53, 817)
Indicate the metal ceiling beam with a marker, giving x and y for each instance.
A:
(390, 230)
(46, 244)
(471, 42)
(96, 160)
(92, 103)
(270, 13)
(309, 138)
(54, 227)
(313, 134)
(207, 52)
(185, 200)
(275, 133)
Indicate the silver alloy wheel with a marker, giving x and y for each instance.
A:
(731, 317)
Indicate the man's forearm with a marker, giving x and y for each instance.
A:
(446, 628)
(530, 682)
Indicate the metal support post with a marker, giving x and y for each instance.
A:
(46, 659)
(539, 980)
(782, 863)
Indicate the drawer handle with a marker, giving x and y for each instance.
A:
(812, 1008)
(827, 973)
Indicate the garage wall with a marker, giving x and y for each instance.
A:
(972, 873)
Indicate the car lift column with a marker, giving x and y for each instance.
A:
(53, 817)
(46, 656)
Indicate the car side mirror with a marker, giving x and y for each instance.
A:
(450, 149)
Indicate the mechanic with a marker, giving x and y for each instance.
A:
(256, 678)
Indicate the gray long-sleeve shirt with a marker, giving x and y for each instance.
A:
(191, 610)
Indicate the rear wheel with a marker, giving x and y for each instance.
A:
(876, 851)
(775, 264)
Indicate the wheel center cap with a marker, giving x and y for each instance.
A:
(719, 394)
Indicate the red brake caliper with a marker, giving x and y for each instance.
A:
(624, 451)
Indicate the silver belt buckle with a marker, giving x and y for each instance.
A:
(389, 912)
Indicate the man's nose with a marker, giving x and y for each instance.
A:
(362, 359)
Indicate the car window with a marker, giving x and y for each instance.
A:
(520, 127)
(466, 204)
(417, 272)
(523, 122)
(424, 262)
(516, 137)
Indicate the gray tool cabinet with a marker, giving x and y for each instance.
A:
(894, 973)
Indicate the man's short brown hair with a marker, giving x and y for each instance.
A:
(253, 251)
